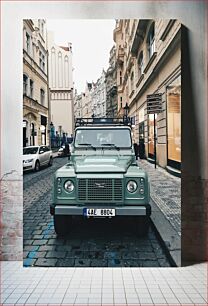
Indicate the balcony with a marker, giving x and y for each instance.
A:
(120, 56)
(33, 104)
(139, 36)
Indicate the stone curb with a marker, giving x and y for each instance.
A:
(168, 236)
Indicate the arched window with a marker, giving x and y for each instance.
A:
(140, 64)
(151, 40)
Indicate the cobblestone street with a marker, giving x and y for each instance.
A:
(96, 243)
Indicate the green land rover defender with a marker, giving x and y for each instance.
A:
(102, 178)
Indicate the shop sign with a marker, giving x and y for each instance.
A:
(154, 103)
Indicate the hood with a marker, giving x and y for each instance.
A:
(28, 156)
(102, 164)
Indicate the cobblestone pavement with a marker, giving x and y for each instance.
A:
(165, 192)
(97, 243)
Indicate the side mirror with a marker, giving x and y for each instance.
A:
(41, 152)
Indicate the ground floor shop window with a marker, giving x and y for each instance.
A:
(151, 134)
(174, 124)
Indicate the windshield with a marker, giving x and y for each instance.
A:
(32, 150)
(107, 138)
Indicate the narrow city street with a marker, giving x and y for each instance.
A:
(94, 242)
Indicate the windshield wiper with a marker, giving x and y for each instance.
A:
(87, 145)
(112, 145)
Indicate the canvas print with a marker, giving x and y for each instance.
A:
(102, 143)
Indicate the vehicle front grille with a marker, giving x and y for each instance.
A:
(100, 190)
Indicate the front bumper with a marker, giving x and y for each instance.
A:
(28, 166)
(143, 210)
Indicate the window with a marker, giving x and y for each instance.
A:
(31, 88)
(132, 80)
(33, 50)
(151, 41)
(151, 134)
(120, 77)
(42, 29)
(174, 123)
(103, 137)
(25, 84)
(140, 64)
(27, 42)
(41, 26)
(42, 60)
(121, 102)
(42, 96)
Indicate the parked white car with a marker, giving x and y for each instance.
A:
(62, 151)
(36, 156)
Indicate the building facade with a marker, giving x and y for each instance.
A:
(111, 86)
(99, 97)
(87, 101)
(35, 83)
(78, 106)
(61, 88)
(148, 58)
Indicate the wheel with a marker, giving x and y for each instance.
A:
(142, 226)
(37, 165)
(61, 224)
(50, 162)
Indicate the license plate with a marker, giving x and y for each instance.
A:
(99, 212)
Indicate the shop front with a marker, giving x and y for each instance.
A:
(174, 124)
(151, 154)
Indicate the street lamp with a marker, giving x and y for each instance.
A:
(51, 134)
(126, 112)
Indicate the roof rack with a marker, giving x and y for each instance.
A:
(102, 121)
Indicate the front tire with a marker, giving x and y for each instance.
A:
(50, 162)
(142, 226)
(61, 224)
(37, 165)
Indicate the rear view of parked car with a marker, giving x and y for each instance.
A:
(65, 150)
(36, 156)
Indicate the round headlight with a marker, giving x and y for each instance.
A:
(69, 186)
(132, 186)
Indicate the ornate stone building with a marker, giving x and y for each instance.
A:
(61, 87)
(148, 59)
(99, 97)
(78, 106)
(35, 83)
(111, 86)
(87, 101)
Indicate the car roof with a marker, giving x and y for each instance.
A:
(95, 127)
